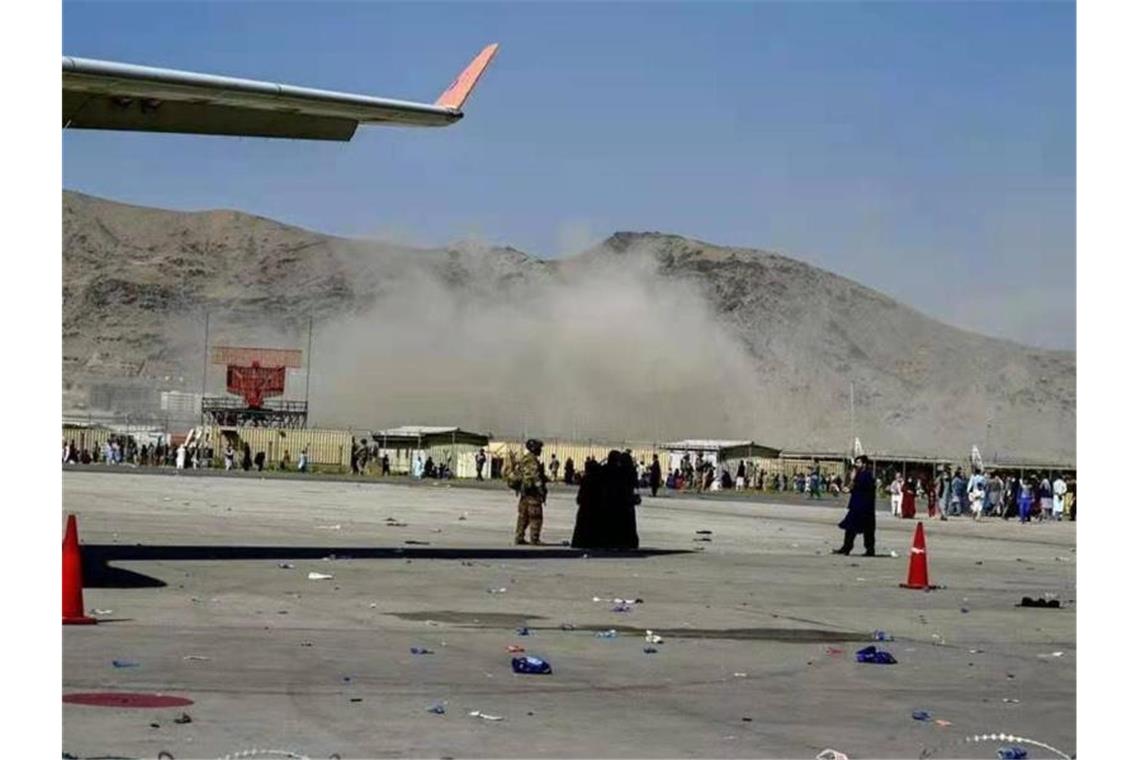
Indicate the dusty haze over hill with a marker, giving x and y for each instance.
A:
(645, 337)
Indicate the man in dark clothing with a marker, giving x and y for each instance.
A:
(246, 457)
(860, 511)
(480, 460)
(654, 475)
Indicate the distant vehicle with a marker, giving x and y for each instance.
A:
(121, 96)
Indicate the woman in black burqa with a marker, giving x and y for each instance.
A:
(606, 501)
(588, 524)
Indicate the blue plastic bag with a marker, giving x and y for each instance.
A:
(531, 665)
(1012, 753)
(875, 656)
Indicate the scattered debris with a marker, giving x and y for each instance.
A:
(320, 576)
(1012, 753)
(621, 608)
(704, 532)
(306, 643)
(531, 665)
(653, 638)
(943, 723)
(831, 754)
(285, 565)
(1041, 602)
(649, 650)
(567, 626)
(101, 612)
(329, 527)
(438, 708)
(875, 656)
(610, 634)
(484, 716)
(964, 610)
(355, 699)
(497, 590)
(1011, 701)
(740, 675)
(1051, 654)
(124, 664)
(524, 631)
(154, 725)
(834, 651)
(702, 538)
(463, 516)
(746, 719)
(421, 650)
(515, 649)
(921, 715)
(882, 636)
(195, 658)
(183, 719)
(894, 554)
(419, 543)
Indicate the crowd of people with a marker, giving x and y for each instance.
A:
(985, 493)
(944, 494)
(125, 450)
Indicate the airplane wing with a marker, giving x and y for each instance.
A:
(120, 96)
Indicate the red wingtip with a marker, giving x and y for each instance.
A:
(455, 95)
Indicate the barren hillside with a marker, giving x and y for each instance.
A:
(647, 336)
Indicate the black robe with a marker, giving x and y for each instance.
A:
(861, 507)
(588, 527)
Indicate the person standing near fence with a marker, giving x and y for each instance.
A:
(654, 475)
(896, 490)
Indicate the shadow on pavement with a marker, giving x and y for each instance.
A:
(98, 573)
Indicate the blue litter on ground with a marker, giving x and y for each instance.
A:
(1012, 753)
(531, 665)
(875, 656)
(920, 715)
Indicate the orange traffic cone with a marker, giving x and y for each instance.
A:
(916, 576)
(73, 578)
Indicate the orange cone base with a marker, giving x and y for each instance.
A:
(81, 620)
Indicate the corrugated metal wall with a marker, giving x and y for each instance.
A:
(579, 450)
(327, 448)
(87, 438)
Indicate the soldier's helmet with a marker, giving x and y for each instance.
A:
(534, 446)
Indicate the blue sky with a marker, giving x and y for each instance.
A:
(924, 149)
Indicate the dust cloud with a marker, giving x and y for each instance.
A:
(599, 347)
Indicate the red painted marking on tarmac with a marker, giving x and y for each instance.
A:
(125, 699)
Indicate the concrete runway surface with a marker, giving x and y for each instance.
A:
(202, 583)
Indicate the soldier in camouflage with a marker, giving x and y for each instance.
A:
(532, 493)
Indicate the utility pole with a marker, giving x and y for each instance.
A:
(205, 364)
(308, 369)
(851, 439)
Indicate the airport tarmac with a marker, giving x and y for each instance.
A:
(203, 591)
